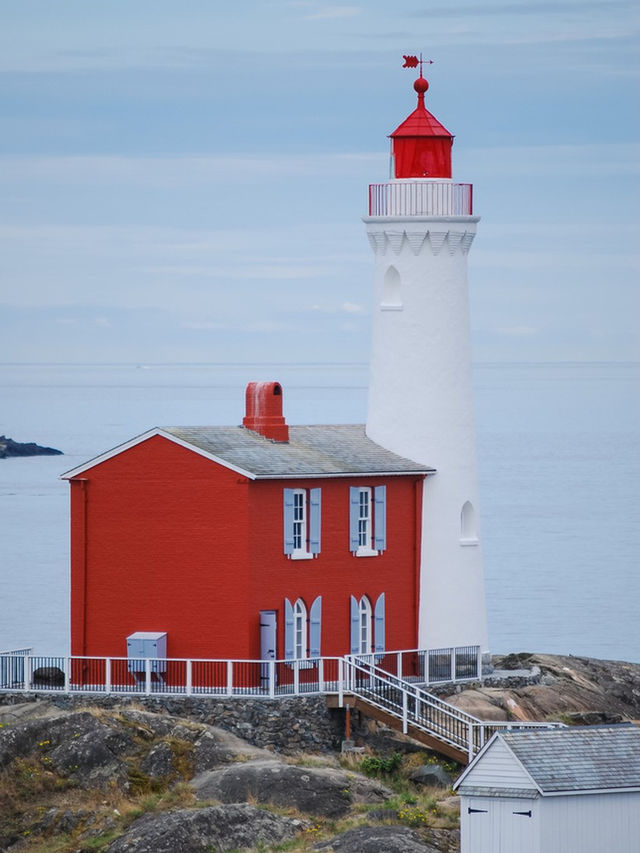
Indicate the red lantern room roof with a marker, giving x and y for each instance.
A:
(421, 122)
(421, 146)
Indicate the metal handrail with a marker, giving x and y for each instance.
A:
(425, 711)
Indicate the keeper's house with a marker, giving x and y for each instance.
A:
(571, 790)
(247, 542)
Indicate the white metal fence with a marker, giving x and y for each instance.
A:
(171, 676)
(21, 670)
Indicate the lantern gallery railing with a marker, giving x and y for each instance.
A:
(420, 198)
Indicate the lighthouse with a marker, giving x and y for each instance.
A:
(421, 225)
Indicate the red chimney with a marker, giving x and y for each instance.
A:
(264, 410)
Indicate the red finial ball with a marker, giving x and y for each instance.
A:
(421, 85)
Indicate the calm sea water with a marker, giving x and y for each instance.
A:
(559, 465)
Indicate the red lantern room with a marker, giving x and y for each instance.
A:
(421, 146)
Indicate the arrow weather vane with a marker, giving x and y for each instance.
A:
(413, 62)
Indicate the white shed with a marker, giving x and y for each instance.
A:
(569, 790)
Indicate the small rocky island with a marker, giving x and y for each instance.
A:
(10, 448)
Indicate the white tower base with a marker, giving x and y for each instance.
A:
(421, 404)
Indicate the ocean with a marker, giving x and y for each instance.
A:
(559, 469)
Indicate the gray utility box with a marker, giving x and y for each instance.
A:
(147, 644)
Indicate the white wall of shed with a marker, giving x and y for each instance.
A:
(497, 768)
(591, 823)
(497, 828)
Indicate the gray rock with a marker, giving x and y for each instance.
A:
(60, 735)
(377, 839)
(147, 725)
(432, 775)
(217, 828)
(317, 791)
(48, 676)
(56, 821)
(159, 761)
(88, 751)
(215, 747)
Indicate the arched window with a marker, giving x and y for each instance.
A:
(300, 629)
(365, 633)
(391, 295)
(468, 531)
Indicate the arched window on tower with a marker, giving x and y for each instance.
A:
(468, 526)
(391, 290)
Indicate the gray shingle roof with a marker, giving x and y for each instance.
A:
(579, 758)
(311, 450)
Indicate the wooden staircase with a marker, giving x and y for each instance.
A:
(408, 708)
(393, 722)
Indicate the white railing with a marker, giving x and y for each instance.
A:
(420, 198)
(430, 666)
(421, 710)
(171, 676)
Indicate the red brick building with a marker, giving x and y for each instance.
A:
(247, 542)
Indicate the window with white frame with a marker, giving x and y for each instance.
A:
(301, 523)
(299, 520)
(367, 520)
(365, 632)
(368, 626)
(364, 518)
(300, 629)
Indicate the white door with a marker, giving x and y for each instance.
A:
(267, 642)
(499, 825)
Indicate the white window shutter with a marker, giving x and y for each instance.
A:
(379, 622)
(288, 521)
(380, 518)
(315, 627)
(314, 520)
(354, 516)
(355, 625)
(289, 631)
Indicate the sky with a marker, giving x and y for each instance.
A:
(184, 182)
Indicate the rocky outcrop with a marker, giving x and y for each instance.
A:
(9, 448)
(76, 777)
(287, 725)
(219, 828)
(572, 689)
(325, 791)
(377, 839)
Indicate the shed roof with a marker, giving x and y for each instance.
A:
(570, 760)
(312, 451)
(584, 758)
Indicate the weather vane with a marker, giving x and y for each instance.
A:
(413, 62)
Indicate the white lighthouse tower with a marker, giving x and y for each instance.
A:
(421, 226)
